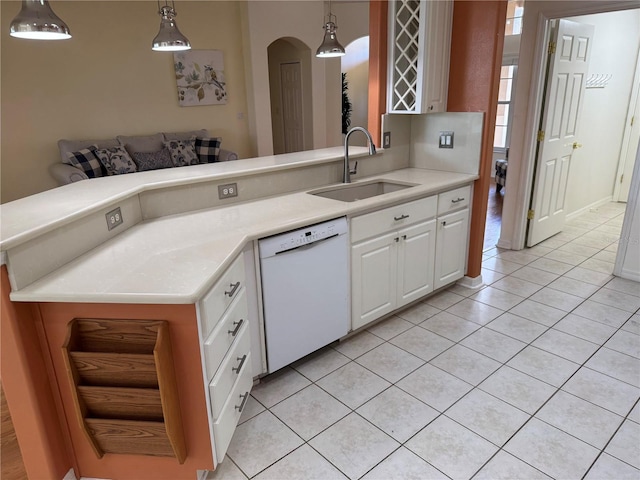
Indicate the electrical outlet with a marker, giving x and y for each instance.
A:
(446, 140)
(227, 191)
(114, 218)
(386, 140)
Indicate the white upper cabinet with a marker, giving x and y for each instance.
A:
(419, 48)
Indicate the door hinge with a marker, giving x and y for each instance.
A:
(530, 214)
(552, 48)
(632, 119)
(621, 177)
(540, 135)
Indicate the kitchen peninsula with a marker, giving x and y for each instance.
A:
(178, 245)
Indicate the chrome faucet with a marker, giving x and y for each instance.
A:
(346, 177)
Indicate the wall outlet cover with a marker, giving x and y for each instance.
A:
(386, 140)
(227, 191)
(114, 218)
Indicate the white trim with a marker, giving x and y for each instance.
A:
(589, 208)
(71, 475)
(471, 283)
(626, 139)
(626, 234)
(3, 258)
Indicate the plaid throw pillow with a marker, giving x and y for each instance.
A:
(208, 149)
(85, 159)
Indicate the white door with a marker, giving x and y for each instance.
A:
(451, 247)
(292, 118)
(373, 272)
(415, 261)
(564, 94)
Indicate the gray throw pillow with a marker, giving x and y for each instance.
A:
(116, 160)
(183, 152)
(153, 160)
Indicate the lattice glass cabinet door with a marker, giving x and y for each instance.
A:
(419, 46)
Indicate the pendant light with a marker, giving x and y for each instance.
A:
(330, 46)
(37, 21)
(169, 38)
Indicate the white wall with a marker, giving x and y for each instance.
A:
(594, 166)
(263, 22)
(107, 81)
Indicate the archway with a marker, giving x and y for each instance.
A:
(290, 95)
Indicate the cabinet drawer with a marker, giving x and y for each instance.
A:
(225, 424)
(454, 200)
(225, 332)
(236, 363)
(392, 218)
(221, 295)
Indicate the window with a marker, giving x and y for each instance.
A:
(503, 117)
(515, 10)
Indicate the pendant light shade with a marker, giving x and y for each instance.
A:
(37, 21)
(169, 38)
(330, 46)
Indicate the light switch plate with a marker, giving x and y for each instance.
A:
(386, 140)
(446, 140)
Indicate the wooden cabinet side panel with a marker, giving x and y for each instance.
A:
(28, 393)
(191, 396)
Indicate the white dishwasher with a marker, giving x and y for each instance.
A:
(305, 290)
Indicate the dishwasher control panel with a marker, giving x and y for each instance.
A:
(305, 236)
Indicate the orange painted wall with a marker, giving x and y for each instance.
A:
(187, 364)
(378, 13)
(39, 431)
(474, 78)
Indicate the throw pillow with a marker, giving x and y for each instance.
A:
(86, 160)
(208, 149)
(182, 152)
(153, 160)
(116, 160)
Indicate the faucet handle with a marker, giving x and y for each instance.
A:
(355, 169)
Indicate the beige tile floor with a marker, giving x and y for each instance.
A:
(535, 376)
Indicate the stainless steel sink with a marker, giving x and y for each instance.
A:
(358, 191)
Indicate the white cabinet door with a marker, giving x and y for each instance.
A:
(451, 247)
(419, 49)
(416, 262)
(373, 272)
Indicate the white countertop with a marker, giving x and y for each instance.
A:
(176, 259)
(37, 214)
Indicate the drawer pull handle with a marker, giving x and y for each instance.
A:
(234, 332)
(244, 398)
(459, 199)
(397, 239)
(234, 287)
(239, 367)
(401, 217)
(404, 237)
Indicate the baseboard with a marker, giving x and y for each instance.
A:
(471, 283)
(630, 275)
(590, 207)
(506, 244)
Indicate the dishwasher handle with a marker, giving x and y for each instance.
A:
(308, 245)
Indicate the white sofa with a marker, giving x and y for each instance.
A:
(66, 173)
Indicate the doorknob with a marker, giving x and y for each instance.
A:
(576, 145)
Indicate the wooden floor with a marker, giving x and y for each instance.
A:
(11, 464)
(494, 217)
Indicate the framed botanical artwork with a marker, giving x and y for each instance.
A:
(200, 77)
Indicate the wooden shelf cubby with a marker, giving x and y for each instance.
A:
(124, 386)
